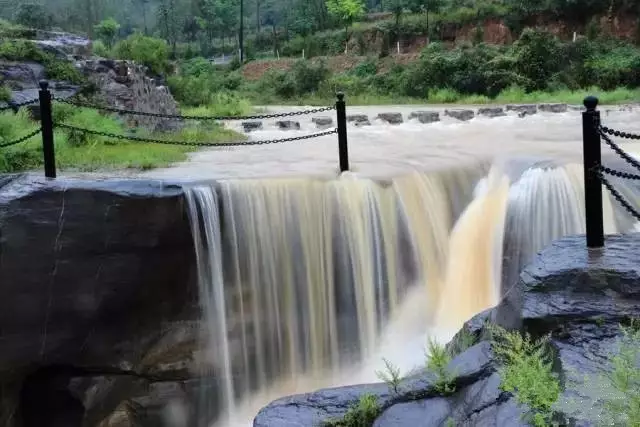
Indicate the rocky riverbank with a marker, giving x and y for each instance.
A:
(577, 296)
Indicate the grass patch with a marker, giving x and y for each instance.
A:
(76, 151)
(362, 414)
(526, 373)
(449, 97)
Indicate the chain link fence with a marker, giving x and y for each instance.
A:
(48, 125)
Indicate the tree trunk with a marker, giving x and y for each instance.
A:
(257, 16)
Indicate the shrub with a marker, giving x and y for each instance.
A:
(149, 51)
(5, 93)
(526, 372)
(100, 49)
(107, 30)
(438, 359)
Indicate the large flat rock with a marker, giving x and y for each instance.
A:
(97, 279)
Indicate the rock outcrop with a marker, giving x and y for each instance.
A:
(578, 296)
(358, 119)
(553, 108)
(126, 85)
(99, 311)
(288, 125)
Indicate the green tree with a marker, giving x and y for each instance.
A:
(346, 12)
(107, 30)
(33, 15)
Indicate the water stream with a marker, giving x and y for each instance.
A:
(309, 279)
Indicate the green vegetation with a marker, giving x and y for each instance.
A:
(107, 31)
(149, 51)
(5, 93)
(75, 151)
(23, 50)
(391, 375)
(526, 372)
(438, 359)
(625, 378)
(362, 414)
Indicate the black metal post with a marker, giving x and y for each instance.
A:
(343, 149)
(592, 184)
(46, 122)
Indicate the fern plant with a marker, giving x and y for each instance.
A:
(438, 358)
(527, 373)
(363, 414)
(390, 375)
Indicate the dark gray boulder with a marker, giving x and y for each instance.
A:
(425, 116)
(251, 126)
(357, 118)
(288, 125)
(98, 283)
(322, 122)
(391, 118)
(416, 398)
(553, 108)
(526, 109)
(491, 112)
(462, 115)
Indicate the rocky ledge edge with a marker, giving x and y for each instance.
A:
(578, 297)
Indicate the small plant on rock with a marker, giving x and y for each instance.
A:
(625, 378)
(363, 414)
(438, 358)
(390, 375)
(527, 372)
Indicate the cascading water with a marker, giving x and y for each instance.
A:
(308, 283)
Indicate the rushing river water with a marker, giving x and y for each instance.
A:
(384, 150)
(308, 283)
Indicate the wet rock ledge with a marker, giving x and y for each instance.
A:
(99, 311)
(578, 296)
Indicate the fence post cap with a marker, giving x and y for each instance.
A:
(591, 102)
(340, 96)
(44, 84)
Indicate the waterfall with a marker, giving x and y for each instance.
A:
(307, 283)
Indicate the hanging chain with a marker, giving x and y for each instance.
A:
(625, 135)
(19, 140)
(195, 144)
(180, 117)
(618, 196)
(618, 173)
(15, 105)
(633, 162)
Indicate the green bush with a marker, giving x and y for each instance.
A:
(100, 49)
(5, 93)
(148, 51)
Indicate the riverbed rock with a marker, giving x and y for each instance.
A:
(526, 109)
(98, 285)
(576, 295)
(357, 118)
(391, 118)
(425, 116)
(251, 126)
(491, 112)
(553, 108)
(322, 122)
(288, 125)
(463, 115)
